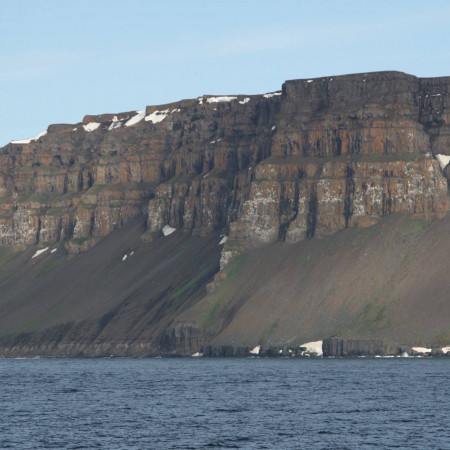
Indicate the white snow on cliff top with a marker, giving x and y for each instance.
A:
(135, 119)
(443, 160)
(168, 230)
(313, 347)
(157, 116)
(21, 141)
(116, 123)
(220, 99)
(244, 101)
(271, 94)
(91, 126)
(27, 141)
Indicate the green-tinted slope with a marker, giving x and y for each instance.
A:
(97, 297)
(389, 280)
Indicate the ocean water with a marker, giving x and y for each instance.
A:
(225, 403)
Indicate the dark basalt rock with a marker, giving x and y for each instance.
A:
(338, 347)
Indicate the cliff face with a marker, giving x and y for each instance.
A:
(317, 157)
(182, 164)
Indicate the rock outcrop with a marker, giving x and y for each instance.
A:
(362, 347)
(317, 157)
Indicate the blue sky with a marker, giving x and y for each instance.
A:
(62, 59)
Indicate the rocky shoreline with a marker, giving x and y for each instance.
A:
(331, 347)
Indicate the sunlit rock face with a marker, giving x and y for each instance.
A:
(316, 157)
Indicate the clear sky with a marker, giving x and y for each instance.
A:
(62, 59)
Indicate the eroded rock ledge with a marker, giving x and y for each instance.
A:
(318, 156)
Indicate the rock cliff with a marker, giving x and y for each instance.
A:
(319, 156)
(314, 158)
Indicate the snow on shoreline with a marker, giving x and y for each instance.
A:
(313, 347)
(255, 351)
(421, 349)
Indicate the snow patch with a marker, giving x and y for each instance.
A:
(443, 160)
(135, 119)
(271, 94)
(445, 350)
(313, 347)
(40, 135)
(54, 250)
(116, 123)
(309, 81)
(256, 350)
(27, 141)
(224, 98)
(39, 252)
(197, 355)
(157, 116)
(124, 257)
(22, 141)
(132, 253)
(223, 240)
(273, 128)
(246, 100)
(421, 349)
(91, 126)
(167, 230)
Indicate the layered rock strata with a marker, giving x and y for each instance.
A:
(319, 156)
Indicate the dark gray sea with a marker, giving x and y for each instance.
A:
(225, 403)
